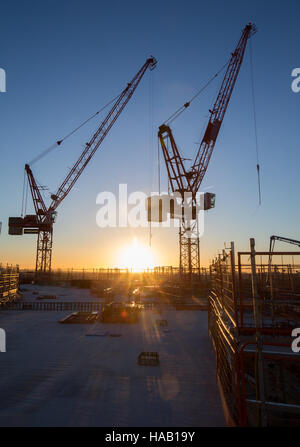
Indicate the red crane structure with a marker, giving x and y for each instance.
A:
(41, 223)
(189, 181)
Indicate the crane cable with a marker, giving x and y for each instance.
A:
(53, 146)
(23, 194)
(181, 109)
(58, 142)
(255, 124)
(150, 135)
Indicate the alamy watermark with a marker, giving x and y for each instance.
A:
(296, 342)
(158, 210)
(2, 340)
(296, 82)
(2, 80)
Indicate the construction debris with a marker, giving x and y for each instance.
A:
(148, 359)
(46, 297)
(81, 318)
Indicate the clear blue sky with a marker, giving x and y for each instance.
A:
(65, 59)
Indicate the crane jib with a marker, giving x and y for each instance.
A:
(190, 180)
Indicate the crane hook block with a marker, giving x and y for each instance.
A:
(153, 62)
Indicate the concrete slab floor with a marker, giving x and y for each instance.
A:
(54, 375)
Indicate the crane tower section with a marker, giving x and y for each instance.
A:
(189, 180)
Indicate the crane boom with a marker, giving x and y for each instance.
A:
(207, 145)
(189, 180)
(99, 136)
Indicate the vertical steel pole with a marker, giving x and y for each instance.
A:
(258, 337)
(233, 279)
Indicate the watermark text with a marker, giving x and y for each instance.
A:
(2, 340)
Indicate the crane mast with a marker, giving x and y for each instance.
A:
(42, 222)
(183, 180)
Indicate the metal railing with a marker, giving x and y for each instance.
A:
(87, 306)
(157, 273)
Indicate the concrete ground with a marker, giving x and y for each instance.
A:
(55, 375)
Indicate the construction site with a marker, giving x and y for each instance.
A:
(193, 344)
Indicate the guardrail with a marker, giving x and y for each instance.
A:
(88, 306)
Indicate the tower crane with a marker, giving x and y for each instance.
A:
(184, 180)
(41, 223)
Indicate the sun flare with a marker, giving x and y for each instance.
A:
(136, 257)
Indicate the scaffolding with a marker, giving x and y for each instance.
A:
(253, 308)
(9, 284)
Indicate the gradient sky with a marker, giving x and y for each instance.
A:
(65, 59)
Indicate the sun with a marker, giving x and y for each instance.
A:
(136, 257)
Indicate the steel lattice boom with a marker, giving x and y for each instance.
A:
(99, 135)
(217, 113)
(42, 222)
